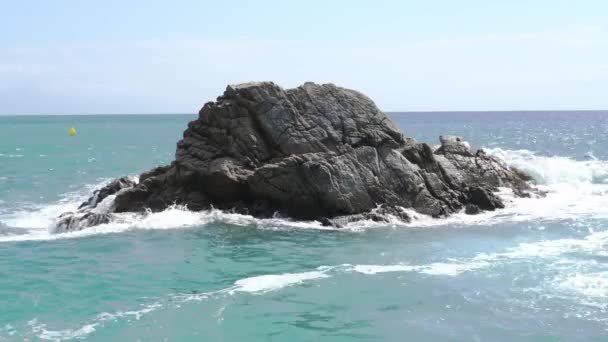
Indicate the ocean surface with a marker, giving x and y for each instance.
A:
(535, 271)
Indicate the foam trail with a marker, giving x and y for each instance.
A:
(592, 286)
(273, 282)
(438, 268)
(595, 244)
(375, 269)
(256, 285)
(589, 287)
(552, 251)
(137, 314)
(42, 331)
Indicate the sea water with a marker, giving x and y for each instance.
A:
(535, 271)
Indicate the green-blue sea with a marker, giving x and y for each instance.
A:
(535, 271)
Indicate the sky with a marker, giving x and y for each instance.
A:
(112, 57)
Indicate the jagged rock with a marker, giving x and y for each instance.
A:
(79, 220)
(380, 214)
(112, 188)
(315, 152)
(454, 144)
(484, 199)
(92, 212)
(472, 209)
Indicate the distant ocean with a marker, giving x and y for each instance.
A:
(535, 271)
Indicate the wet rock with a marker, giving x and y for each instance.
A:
(70, 221)
(484, 198)
(472, 209)
(112, 188)
(380, 214)
(315, 152)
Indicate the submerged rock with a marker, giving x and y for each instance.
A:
(315, 152)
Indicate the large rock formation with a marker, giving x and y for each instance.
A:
(314, 152)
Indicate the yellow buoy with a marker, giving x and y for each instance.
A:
(72, 131)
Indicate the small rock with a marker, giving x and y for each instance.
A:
(472, 209)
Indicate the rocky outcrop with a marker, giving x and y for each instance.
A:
(315, 152)
(96, 210)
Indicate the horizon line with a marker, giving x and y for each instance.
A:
(390, 111)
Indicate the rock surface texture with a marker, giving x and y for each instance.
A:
(316, 152)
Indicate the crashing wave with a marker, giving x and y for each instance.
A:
(575, 189)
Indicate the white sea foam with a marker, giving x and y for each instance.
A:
(575, 190)
(593, 285)
(40, 330)
(555, 170)
(595, 243)
(583, 285)
(552, 253)
(452, 268)
(38, 225)
(437, 268)
(18, 155)
(581, 281)
(256, 285)
(136, 314)
(375, 269)
(41, 216)
(273, 282)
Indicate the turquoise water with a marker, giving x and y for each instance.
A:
(536, 271)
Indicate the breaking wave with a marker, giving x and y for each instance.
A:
(575, 189)
(555, 170)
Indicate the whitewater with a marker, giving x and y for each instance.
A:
(536, 269)
(574, 190)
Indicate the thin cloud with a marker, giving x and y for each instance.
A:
(471, 72)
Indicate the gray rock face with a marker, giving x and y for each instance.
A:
(315, 152)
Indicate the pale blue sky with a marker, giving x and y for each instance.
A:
(172, 56)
